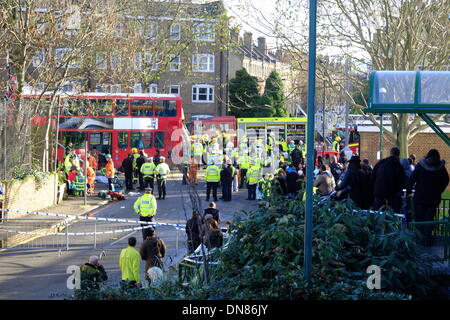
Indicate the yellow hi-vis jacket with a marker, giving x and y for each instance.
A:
(135, 156)
(145, 205)
(148, 169)
(67, 164)
(162, 170)
(130, 264)
(197, 149)
(212, 174)
(253, 175)
(244, 162)
(335, 146)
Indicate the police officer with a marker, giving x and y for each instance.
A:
(145, 206)
(148, 173)
(135, 170)
(243, 165)
(212, 178)
(335, 145)
(252, 180)
(162, 170)
(197, 151)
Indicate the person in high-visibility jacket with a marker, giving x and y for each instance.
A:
(68, 164)
(130, 263)
(146, 207)
(110, 172)
(90, 179)
(197, 151)
(212, 177)
(148, 173)
(244, 164)
(193, 171)
(335, 145)
(135, 169)
(302, 147)
(92, 161)
(253, 174)
(162, 170)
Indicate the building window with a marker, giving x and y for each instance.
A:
(203, 63)
(203, 93)
(153, 88)
(100, 60)
(116, 88)
(138, 88)
(175, 89)
(174, 62)
(138, 61)
(204, 32)
(152, 30)
(149, 61)
(175, 31)
(38, 58)
(115, 61)
(64, 55)
(141, 140)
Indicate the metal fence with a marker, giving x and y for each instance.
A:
(31, 233)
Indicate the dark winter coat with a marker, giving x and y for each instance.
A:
(193, 230)
(292, 182)
(139, 162)
(296, 156)
(214, 212)
(226, 175)
(127, 165)
(213, 238)
(152, 251)
(367, 189)
(351, 183)
(388, 178)
(430, 178)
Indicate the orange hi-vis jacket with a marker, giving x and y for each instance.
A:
(92, 162)
(109, 172)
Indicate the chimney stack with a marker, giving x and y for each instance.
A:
(248, 41)
(262, 45)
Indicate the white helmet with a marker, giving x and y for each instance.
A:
(162, 158)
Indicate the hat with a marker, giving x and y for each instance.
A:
(162, 158)
(148, 189)
(338, 138)
(134, 150)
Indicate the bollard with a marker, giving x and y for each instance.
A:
(67, 236)
(95, 234)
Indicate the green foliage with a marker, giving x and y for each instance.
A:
(244, 97)
(20, 173)
(274, 95)
(264, 259)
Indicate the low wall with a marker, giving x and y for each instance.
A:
(26, 194)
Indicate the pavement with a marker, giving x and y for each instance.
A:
(37, 269)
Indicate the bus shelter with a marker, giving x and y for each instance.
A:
(420, 92)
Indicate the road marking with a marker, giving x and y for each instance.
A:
(125, 236)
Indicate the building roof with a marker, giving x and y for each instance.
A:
(256, 54)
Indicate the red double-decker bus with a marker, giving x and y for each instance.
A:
(115, 123)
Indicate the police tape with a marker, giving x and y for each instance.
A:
(177, 226)
(79, 233)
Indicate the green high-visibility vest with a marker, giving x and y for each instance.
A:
(67, 164)
(162, 170)
(79, 182)
(212, 174)
(148, 169)
(335, 146)
(197, 149)
(145, 205)
(253, 175)
(135, 156)
(244, 162)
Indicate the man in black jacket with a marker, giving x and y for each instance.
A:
(193, 230)
(226, 176)
(139, 162)
(296, 156)
(429, 178)
(389, 181)
(351, 184)
(212, 211)
(127, 165)
(153, 250)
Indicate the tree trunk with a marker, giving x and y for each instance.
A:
(402, 135)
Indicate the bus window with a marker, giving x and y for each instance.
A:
(101, 107)
(141, 140)
(123, 140)
(74, 107)
(159, 140)
(78, 139)
(141, 108)
(121, 107)
(166, 108)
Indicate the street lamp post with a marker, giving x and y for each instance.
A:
(323, 118)
(310, 140)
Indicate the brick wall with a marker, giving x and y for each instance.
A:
(23, 195)
(422, 143)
